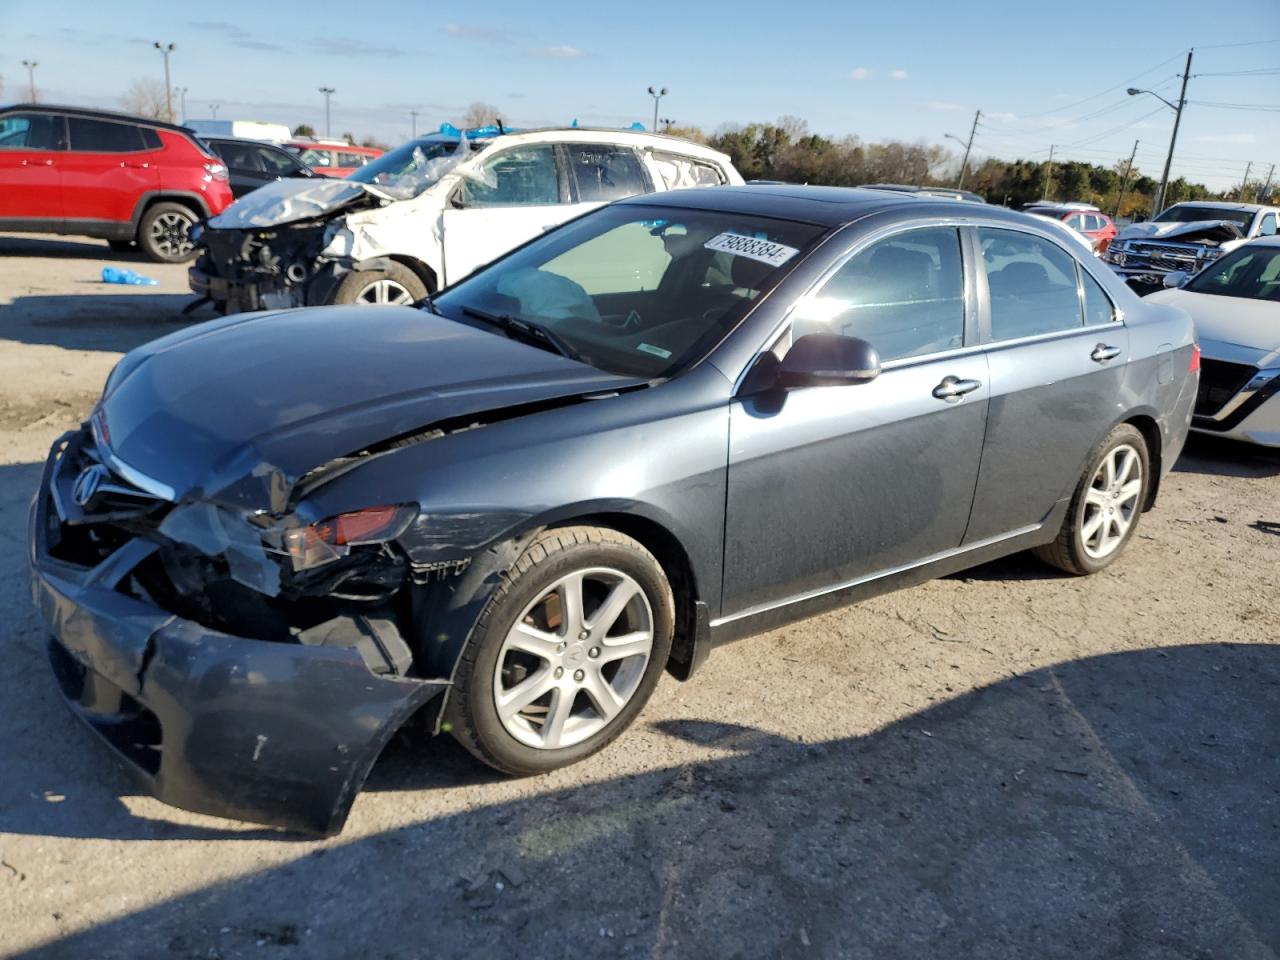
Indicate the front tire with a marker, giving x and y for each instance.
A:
(1106, 506)
(565, 654)
(394, 285)
(164, 235)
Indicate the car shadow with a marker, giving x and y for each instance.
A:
(1020, 567)
(1223, 457)
(93, 321)
(28, 246)
(1123, 805)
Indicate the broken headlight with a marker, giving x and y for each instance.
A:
(330, 539)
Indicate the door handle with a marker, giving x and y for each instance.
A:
(951, 389)
(35, 163)
(1104, 352)
(136, 165)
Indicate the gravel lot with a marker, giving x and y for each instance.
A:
(1005, 763)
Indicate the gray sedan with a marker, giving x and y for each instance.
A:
(671, 422)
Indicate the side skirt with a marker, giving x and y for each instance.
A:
(759, 619)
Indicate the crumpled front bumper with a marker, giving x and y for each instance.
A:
(275, 733)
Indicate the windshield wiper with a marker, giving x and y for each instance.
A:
(532, 333)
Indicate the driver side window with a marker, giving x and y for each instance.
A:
(904, 295)
(519, 177)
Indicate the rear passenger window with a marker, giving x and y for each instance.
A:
(605, 172)
(1097, 305)
(31, 131)
(103, 136)
(1032, 283)
(904, 295)
(351, 159)
(150, 139)
(516, 177)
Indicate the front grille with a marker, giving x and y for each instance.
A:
(1219, 382)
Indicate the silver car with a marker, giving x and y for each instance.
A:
(1235, 304)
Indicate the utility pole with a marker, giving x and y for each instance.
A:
(1124, 184)
(165, 50)
(1173, 138)
(1048, 172)
(967, 147)
(667, 124)
(31, 76)
(657, 95)
(1265, 192)
(1244, 184)
(414, 115)
(328, 92)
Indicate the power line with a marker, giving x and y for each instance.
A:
(1118, 86)
(1223, 46)
(1265, 107)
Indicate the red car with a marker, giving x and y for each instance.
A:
(124, 179)
(332, 158)
(1082, 218)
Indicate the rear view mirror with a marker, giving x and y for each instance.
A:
(828, 359)
(1176, 278)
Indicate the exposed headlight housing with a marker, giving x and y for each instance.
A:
(326, 541)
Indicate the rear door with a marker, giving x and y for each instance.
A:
(244, 165)
(1056, 350)
(830, 485)
(109, 166)
(32, 146)
(516, 194)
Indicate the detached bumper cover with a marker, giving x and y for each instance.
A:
(274, 733)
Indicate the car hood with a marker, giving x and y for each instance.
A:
(293, 199)
(1235, 329)
(238, 409)
(1199, 231)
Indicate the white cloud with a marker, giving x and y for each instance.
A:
(898, 74)
(557, 52)
(859, 73)
(1236, 138)
(467, 31)
(945, 105)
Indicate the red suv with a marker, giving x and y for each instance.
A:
(124, 179)
(1081, 217)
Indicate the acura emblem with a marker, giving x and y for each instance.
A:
(86, 485)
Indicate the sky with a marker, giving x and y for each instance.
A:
(1042, 74)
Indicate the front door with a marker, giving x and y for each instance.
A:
(31, 148)
(1057, 355)
(514, 196)
(829, 485)
(107, 169)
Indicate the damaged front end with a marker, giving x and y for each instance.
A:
(232, 679)
(1144, 252)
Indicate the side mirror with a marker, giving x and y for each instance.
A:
(828, 359)
(1176, 278)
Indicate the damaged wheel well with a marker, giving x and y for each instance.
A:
(423, 272)
(668, 551)
(1151, 433)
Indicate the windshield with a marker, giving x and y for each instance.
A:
(637, 290)
(1251, 272)
(1181, 214)
(412, 167)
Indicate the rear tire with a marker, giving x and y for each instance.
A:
(545, 680)
(392, 285)
(1106, 506)
(164, 234)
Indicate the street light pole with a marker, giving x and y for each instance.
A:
(31, 76)
(213, 107)
(1158, 205)
(968, 145)
(328, 92)
(1124, 184)
(414, 115)
(182, 93)
(165, 50)
(657, 95)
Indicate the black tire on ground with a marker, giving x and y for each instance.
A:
(363, 286)
(122, 246)
(471, 714)
(1067, 551)
(164, 233)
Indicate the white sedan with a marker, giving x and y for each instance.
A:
(1235, 303)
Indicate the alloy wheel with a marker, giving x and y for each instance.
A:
(1111, 502)
(171, 234)
(574, 658)
(385, 292)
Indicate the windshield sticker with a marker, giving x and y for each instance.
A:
(656, 351)
(766, 251)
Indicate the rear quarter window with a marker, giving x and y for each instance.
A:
(103, 136)
(1032, 284)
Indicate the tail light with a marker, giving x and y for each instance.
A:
(330, 539)
(216, 170)
(1194, 366)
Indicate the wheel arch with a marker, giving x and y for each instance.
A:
(193, 202)
(419, 269)
(1150, 430)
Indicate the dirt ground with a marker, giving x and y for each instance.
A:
(1007, 763)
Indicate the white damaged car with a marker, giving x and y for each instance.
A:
(428, 213)
(1235, 303)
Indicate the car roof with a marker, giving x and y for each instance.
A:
(1222, 205)
(825, 206)
(96, 115)
(254, 141)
